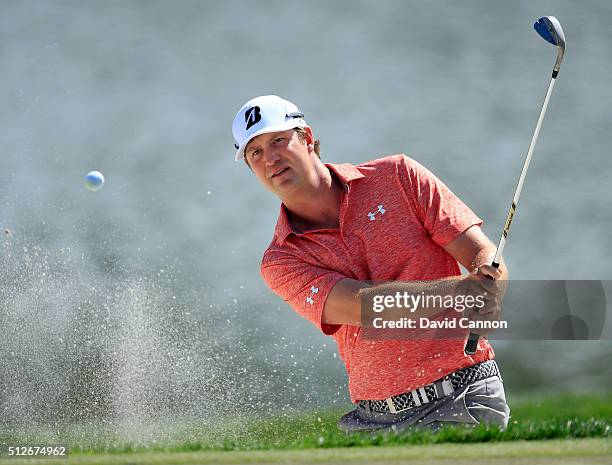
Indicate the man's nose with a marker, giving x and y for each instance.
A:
(272, 157)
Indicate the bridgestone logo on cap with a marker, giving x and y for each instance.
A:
(252, 116)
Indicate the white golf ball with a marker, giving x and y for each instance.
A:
(94, 181)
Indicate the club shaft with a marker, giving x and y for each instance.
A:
(519, 186)
(472, 342)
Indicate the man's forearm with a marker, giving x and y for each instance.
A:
(485, 256)
(412, 295)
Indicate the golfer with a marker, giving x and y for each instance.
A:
(342, 229)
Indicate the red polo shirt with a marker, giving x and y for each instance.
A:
(395, 217)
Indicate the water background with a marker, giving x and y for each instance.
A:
(144, 300)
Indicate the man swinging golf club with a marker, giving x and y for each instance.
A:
(343, 227)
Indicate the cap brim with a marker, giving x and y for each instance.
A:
(295, 123)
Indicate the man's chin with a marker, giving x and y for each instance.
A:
(284, 188)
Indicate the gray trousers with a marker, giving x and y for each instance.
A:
(483, 401)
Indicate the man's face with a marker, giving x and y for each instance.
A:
(281, 161)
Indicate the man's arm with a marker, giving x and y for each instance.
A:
(475, 252)
(343, 304)
(472, 249)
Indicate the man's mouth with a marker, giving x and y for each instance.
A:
(279, 172)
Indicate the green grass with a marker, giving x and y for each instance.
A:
(548, 418)
(557, 452)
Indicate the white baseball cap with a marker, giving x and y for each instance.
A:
(261, 115)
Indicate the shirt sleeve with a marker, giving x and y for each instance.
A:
(305, 287)
(442, 213)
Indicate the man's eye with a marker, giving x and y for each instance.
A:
(255, 153)
(278, 140)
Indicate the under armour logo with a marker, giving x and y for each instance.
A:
(252, 116)
(372, 215)
(313, 291)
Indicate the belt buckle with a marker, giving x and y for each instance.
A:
(416, 398)
(447, 387)
(391, 405)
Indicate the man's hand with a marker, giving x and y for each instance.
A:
(486, 282)
(474, 251)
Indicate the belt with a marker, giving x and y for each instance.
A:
(434, 391)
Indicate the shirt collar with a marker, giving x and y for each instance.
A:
(345, 172)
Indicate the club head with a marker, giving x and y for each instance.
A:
(550, 30)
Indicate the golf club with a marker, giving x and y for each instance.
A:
(550, 30)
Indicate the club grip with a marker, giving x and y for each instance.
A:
(472, 342)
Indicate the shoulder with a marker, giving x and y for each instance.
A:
(284, 255)
(387, 161)
(275, 252)
(398, 167)
(275, 265)
(390, 163)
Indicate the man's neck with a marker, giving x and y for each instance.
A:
(318, 206)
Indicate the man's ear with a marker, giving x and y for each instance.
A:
(309, 136)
